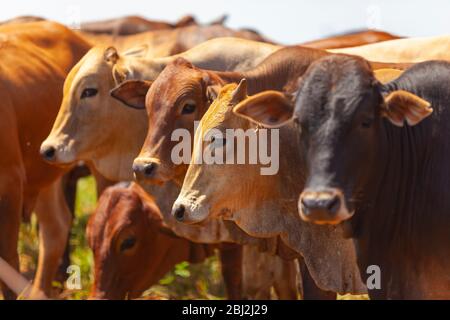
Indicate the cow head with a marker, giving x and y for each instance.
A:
(340, 109)
(178, 97)
(206, 190)
(132, 250)
(92, 126)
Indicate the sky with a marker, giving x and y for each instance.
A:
(284, 21)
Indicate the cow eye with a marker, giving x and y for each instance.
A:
(88, 92)
(188, 108)
(127, 244)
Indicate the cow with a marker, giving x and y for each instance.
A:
(376, 160)
(353, 39)
(133, 249)
(36, 57)
(403, 50)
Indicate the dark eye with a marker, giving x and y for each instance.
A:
(367, 123)
(127, 244)
(188, 108)
(88, 92)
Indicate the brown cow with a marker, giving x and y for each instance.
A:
(351, 40)
(133, 249)
(34, 56)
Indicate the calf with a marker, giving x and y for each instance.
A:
(132, 247)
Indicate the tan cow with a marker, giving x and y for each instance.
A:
(35, 57)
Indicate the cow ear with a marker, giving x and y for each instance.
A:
(269, 108)
(132, 93)
(402, 105)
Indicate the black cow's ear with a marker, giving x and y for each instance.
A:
(132, 93)
(271, 109)
(400, 106)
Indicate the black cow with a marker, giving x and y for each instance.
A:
(378, 157)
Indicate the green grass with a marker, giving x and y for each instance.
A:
(200, 281)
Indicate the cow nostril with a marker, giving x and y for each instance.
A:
(333, 204)
(179, 213)
(49, 153)
(149, 169)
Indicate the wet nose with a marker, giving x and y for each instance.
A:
(145, 170)
(320, 205)
(178, 212)
(48, 153)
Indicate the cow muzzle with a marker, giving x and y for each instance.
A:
(326, 206)
(56, 153)
(189, 211)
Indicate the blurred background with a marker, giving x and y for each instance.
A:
(284, 21)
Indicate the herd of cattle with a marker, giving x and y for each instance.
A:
(364, 166)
